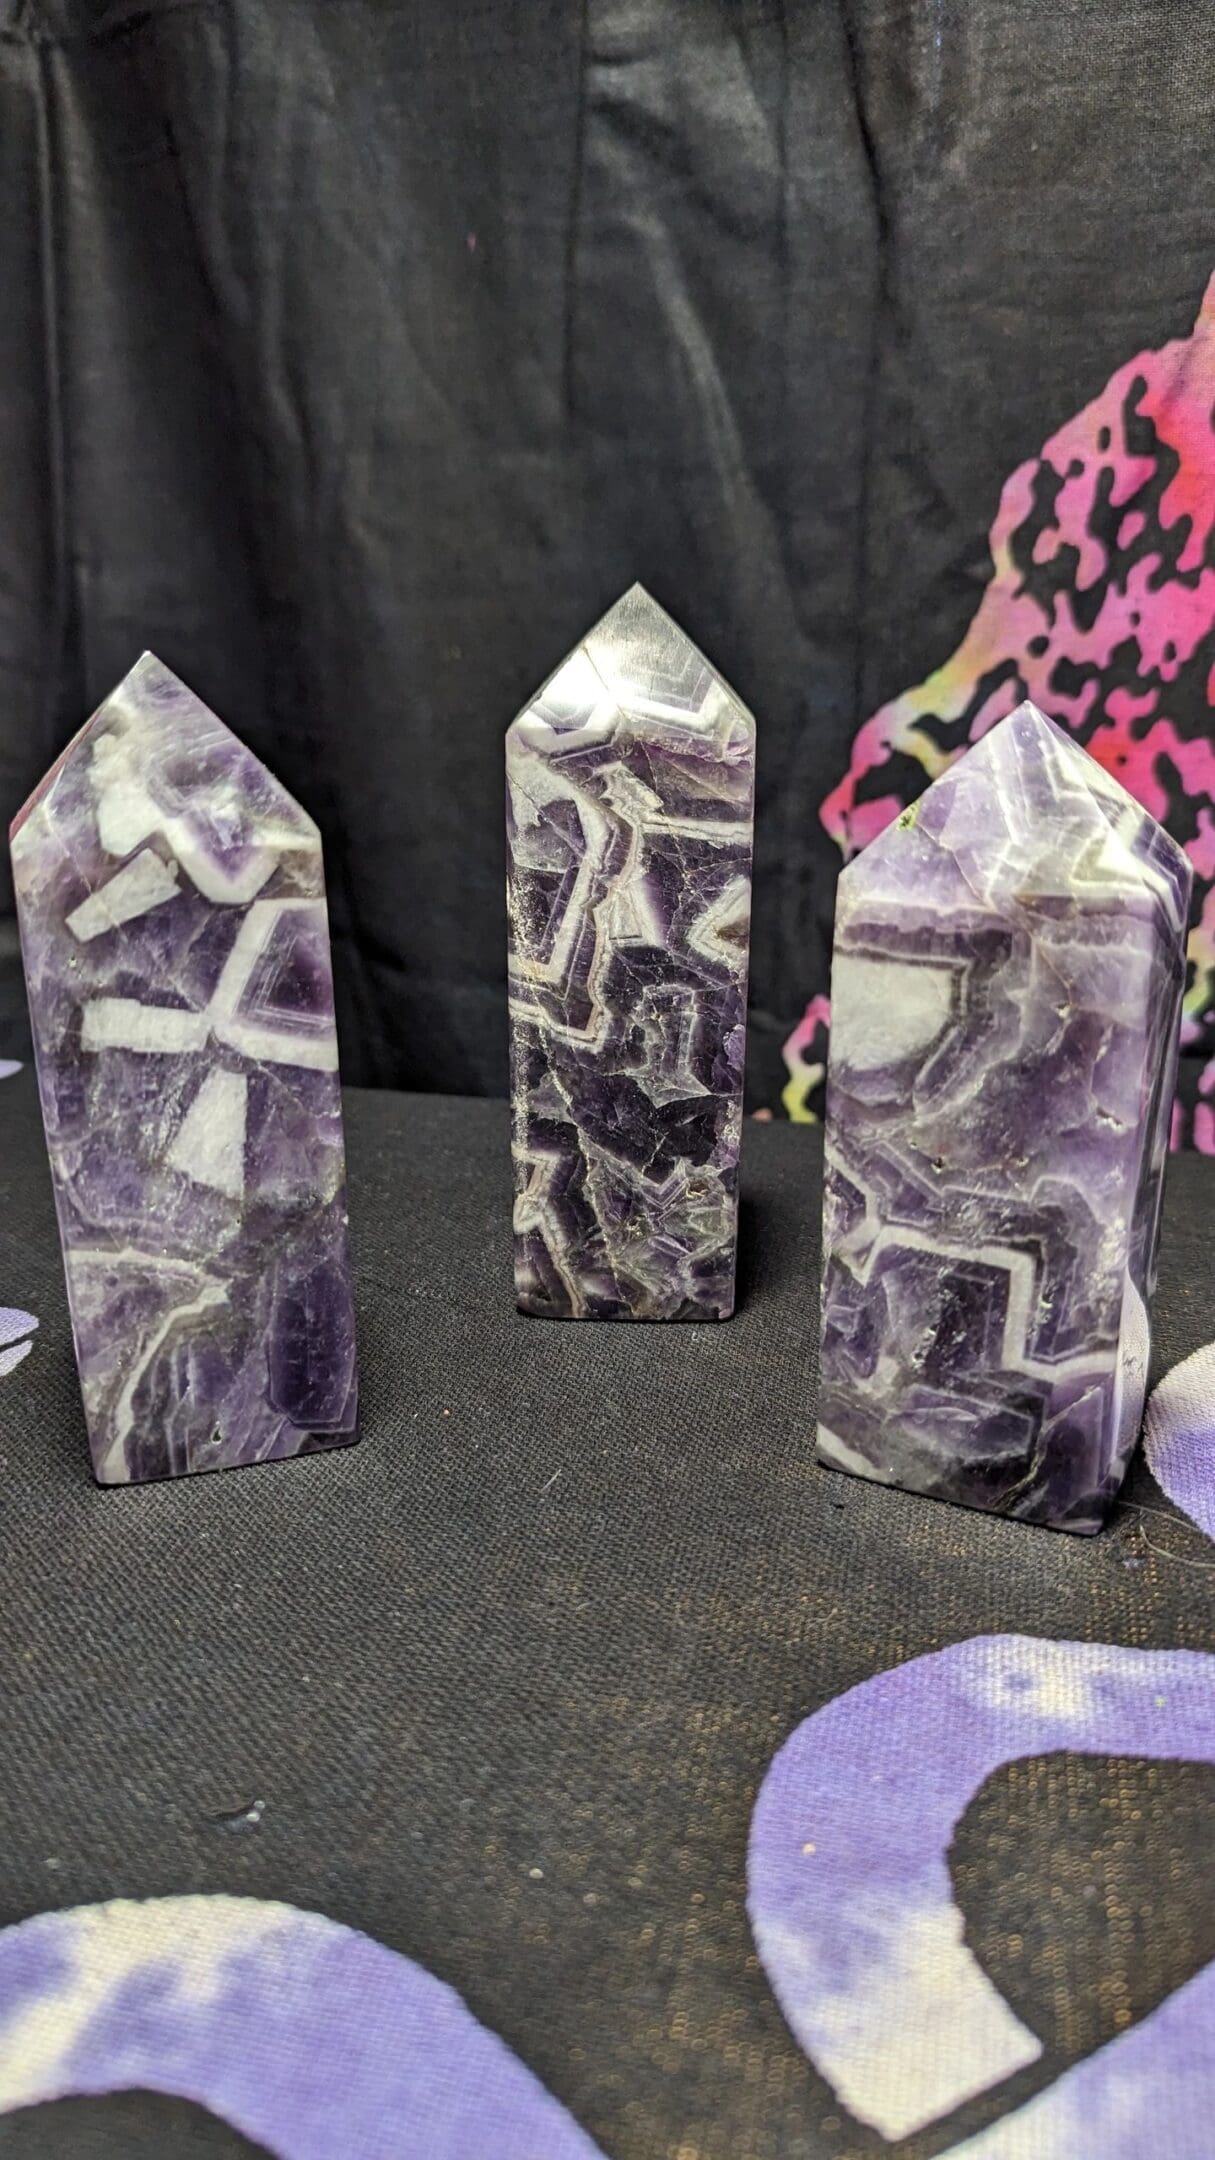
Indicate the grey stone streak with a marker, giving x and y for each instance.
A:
(630, 793)
(171, 901)
(1008, 969)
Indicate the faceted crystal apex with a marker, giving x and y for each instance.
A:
(1027, 815)
(154, 704)
(635, 661)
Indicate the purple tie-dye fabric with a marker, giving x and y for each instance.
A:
(850, 1896)
(14, 1326)
(302, 2034)
(1179, 1436)
(1149, 2092)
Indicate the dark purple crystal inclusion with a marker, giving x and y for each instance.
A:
(630, 790)
(1006, 987)
(171, 900)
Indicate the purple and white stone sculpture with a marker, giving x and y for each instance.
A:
(171, 900)
(630, 793)
(1008, 968)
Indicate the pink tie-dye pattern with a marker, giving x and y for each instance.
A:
(806, 1073)
(1107, 623)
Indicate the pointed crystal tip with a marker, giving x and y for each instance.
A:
(1026, 816)
(635, 660)
(142, 729)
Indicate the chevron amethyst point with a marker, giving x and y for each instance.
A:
(630, 790)
(171, 900)
(1008, 969)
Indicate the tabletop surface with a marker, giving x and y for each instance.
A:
(499, 1686)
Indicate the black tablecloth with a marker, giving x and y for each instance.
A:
(507, 1675)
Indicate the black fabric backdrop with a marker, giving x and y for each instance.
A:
(559, 1608)
(355, 355)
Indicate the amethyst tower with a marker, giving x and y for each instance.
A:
(630, 791)
(172, 908)
(1006, 987)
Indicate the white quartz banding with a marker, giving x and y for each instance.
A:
(124, 1024)
(128, 814)
(894, 1007)
(210, 1146)
(140, 885)
(285, 1045)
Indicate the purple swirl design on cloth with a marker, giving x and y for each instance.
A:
(1149, 2092)
(853, 1910)
(303, 2034)
(1179, 1436)
(14, 1326)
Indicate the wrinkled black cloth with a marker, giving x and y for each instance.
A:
(355, 358)
(557, 1610)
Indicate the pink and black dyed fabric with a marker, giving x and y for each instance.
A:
(1101, 609)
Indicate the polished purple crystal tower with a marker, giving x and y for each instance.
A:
(171, 900)
(630, 790)
(1006, 986)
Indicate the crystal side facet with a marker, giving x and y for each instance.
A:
(171, 900)
(630, 795)
(1006, 986)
